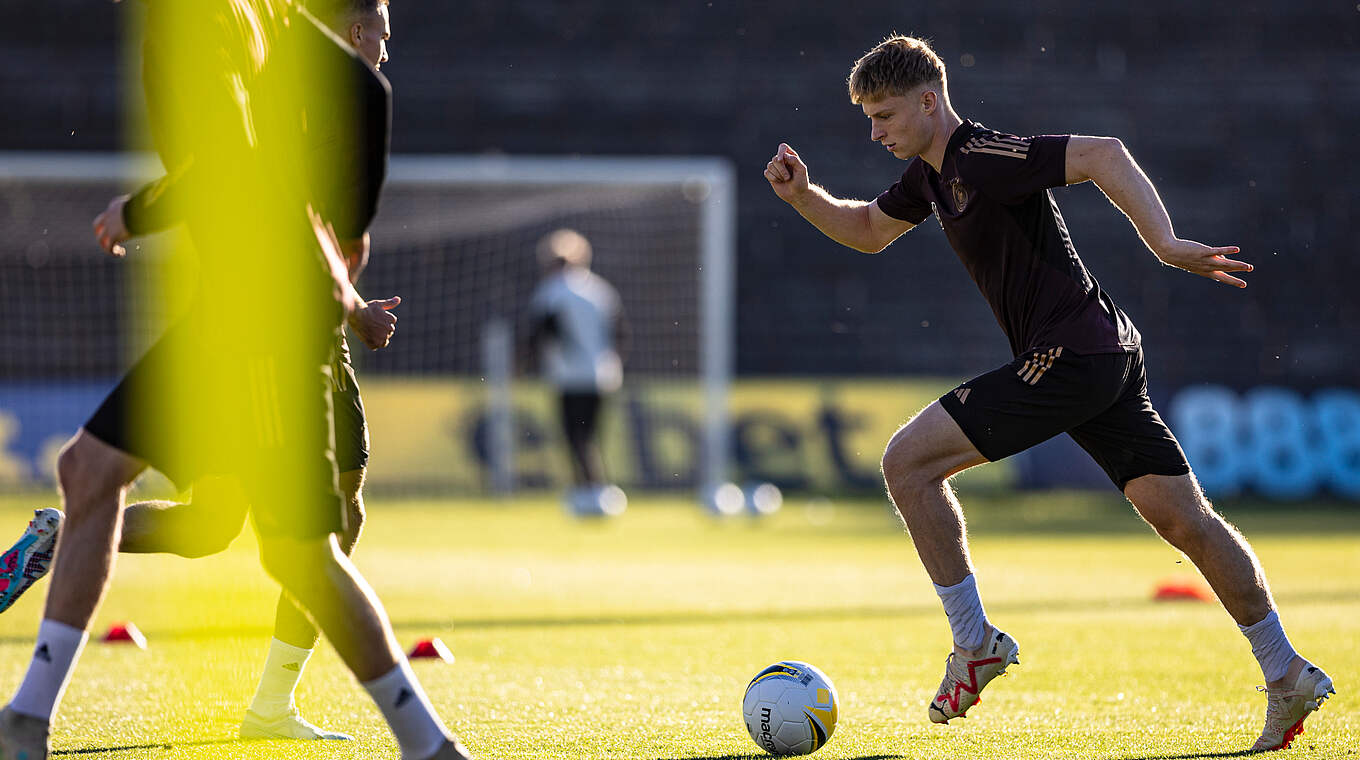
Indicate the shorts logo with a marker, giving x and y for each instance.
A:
(962, 394)
(1037, 364)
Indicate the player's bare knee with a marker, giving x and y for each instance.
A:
(904, 469)
(282, 561)
(85, 474)
(1185, 529)
(297, 564)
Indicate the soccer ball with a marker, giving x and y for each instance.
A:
(790, 708)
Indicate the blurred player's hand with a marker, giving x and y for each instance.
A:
(109, 230)
(787, 174)
(374, 322)
(1204, 260)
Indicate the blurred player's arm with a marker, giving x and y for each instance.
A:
(861, 225)
(1106, 162)
(372, 321)
(151, 209)
(355, 253)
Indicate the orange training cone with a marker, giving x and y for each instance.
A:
(125, 633)
(1180, 591)
(432, 649)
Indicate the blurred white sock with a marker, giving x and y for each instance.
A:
(54, 659)
(408, 711)
(282, 669)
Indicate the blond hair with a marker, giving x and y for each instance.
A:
(566, 246)
(894, 67)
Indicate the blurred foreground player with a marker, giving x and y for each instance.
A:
(211, 521)
(245, 390)
(576, 321)
(1078, 366)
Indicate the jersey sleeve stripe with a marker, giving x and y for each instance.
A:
(1008, 153)
(1014, 147)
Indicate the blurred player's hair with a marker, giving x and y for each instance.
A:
(564, 246)
(895, 67)
(329, 10)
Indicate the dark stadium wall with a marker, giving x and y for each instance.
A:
(1242, 112)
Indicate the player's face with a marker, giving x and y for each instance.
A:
(369, 35)
(899, 123)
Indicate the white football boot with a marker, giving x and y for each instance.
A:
(1287, 706)
(966, 673)
(22, 737)
(30, 558)
(290, 725)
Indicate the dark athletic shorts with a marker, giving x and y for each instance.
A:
(1100, 400)
(580, 414)
(351, 426)
(283, 459)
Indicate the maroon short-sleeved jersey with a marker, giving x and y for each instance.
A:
(992, 198)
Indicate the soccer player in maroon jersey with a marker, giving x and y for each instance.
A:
(1078, 366)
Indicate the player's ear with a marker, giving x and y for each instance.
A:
(356, 33)
(929, 100)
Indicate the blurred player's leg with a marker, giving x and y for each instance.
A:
(201, 527)
(321, 578)
(917, 464)
(1178, 510)
(93, 478)
(30, 557)
(273, 712)
(580, 420)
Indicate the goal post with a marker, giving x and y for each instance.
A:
(454, 236)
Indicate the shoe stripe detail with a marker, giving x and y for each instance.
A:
(971, 687)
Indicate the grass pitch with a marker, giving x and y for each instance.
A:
(635, 638)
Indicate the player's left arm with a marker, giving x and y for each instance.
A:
(1106, 162)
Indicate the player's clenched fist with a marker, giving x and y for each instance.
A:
(787, 173)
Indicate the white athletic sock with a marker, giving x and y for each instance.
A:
(1271, 646)
(54, 659)
(282, 669)
(408, 711)
(964, 609)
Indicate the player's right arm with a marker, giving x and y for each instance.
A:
(861, 225)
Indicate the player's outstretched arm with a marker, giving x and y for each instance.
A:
(856, 224)
(1105, 161)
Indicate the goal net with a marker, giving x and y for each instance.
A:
(453, 404)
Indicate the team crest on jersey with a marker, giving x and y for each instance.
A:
(960, 193)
